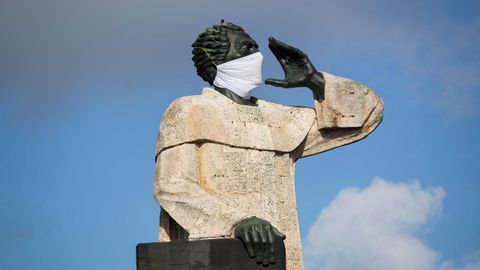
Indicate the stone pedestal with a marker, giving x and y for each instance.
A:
(217, 254)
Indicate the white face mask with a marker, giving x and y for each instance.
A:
(241, 75)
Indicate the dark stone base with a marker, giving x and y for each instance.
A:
(217, 254)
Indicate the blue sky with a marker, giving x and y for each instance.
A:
(83, 86)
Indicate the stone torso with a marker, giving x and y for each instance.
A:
(247, 164)
(219, 162)
(258, 182)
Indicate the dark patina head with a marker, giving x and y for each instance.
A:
(219, 44)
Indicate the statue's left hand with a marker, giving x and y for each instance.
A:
(299, 71)
(259, 237)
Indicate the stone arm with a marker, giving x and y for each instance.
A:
(178, 189)
(347, 113)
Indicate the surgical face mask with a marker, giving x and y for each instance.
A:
(240, 75)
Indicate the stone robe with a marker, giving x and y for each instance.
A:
(219, 162)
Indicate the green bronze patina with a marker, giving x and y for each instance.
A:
(226, 42)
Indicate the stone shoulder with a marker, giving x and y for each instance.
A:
(212, 117)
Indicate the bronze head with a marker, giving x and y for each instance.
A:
(219, 44)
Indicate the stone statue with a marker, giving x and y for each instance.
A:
(225, 161)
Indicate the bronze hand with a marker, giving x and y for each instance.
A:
(299, 71)
(259, 237)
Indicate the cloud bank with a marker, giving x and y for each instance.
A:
(378, 228)
(375, 228)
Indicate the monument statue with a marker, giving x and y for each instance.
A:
(225, 160)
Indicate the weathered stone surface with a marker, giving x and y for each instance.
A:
(216, 118)
(347, 103)
(219, 162)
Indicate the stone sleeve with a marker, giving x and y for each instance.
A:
(202, 213)
(349, 112)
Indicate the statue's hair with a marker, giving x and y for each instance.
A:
(210, 49)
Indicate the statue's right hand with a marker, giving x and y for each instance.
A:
(259, 237)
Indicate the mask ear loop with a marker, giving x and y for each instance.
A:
(208, 55)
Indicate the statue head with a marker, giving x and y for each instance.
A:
(219, 44)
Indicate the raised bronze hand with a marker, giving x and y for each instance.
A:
(259, 237)
(299, 71)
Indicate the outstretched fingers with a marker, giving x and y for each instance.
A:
(277, 82)
(285, 50)
(275, 48)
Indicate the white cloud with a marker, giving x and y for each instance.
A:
(375, 228)
(470, 262)
(379, 228)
